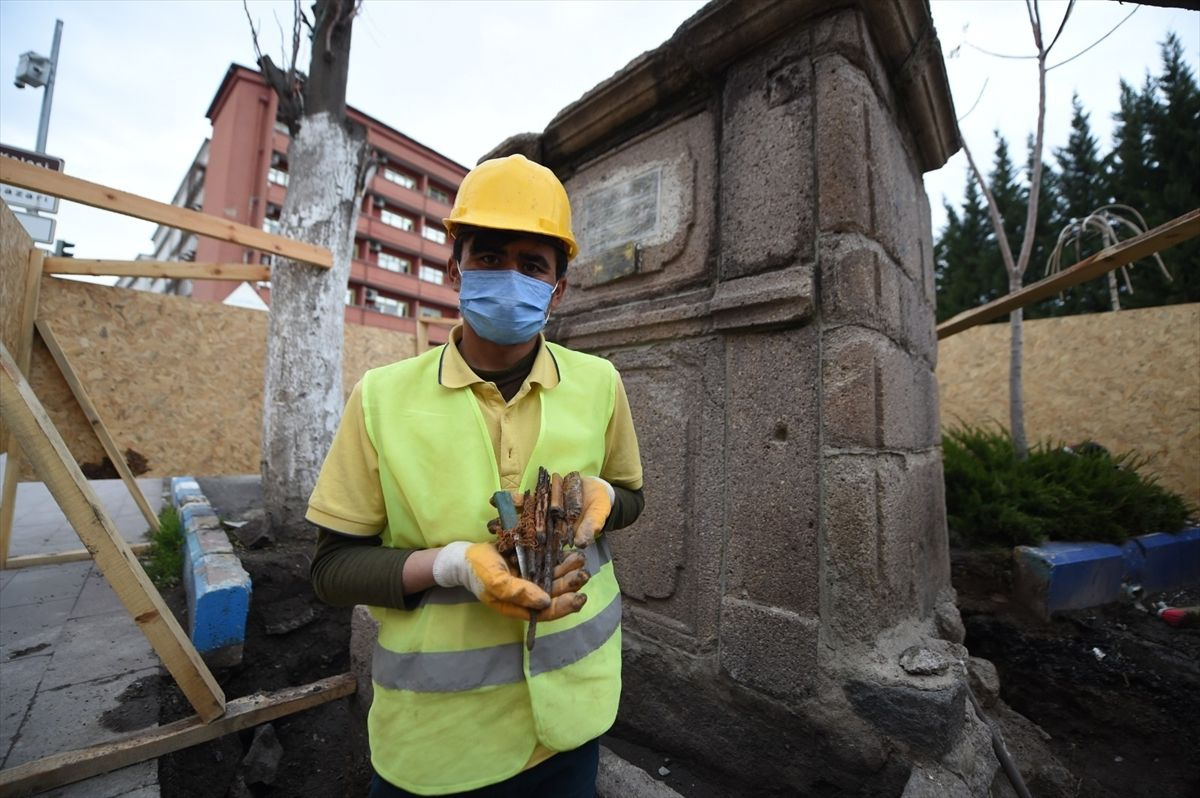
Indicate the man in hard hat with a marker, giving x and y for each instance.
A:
(460, 704)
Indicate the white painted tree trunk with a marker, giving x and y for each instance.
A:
(302, 397)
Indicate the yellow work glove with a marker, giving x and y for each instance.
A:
(598, 498)
(481, 569)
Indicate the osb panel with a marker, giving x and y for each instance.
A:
(176, 380)
(15, 246)
(1128, 380)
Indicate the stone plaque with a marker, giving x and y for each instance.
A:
(616, 218)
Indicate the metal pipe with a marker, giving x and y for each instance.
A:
(48, 91)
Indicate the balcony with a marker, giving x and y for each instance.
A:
(367, 317)
(406, 285)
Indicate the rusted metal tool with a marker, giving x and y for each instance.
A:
(535, 538)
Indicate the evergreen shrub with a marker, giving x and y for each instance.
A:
(993, 498)
(164, 561)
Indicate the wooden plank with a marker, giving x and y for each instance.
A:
(1166, 235)
(53, 464)
(23, 175)
(13, 465)
(240, 713)
(93, 416)
(72, 555)
(175, 269)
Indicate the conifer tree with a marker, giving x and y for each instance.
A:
(966, 265)
(1173, 128)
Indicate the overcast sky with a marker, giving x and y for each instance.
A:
(135, 78)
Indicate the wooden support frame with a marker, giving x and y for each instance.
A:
(248, 272)
(71, 555)
(57, 184)
(423, 330)
(241, 713)
(54, 465)
(1166, 235)
(115, 455)
(12, 466)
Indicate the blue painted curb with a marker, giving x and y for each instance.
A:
(1068, 576)
(218, 602)
(218, 588)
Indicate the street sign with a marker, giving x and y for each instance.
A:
(40, 228)
(24, 198)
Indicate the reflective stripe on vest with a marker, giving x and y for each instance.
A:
(450, 671)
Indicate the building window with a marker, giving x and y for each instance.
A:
(433, 234)
(392, 307)
(438, 195)
(399, 178)
(277, 176)
(271, 226)
(349, 296)
(431, 313)
(396, 220)
(431, 275)
(281, 127)
(394, 263)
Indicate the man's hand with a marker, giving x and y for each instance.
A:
(598, 497)
(481, 569)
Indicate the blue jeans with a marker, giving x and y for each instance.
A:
(571, 774)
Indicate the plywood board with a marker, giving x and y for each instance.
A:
(178, 381)
(1128, 380)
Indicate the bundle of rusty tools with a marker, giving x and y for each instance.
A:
(533, 541)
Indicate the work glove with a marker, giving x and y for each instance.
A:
(480, 568)
(598, 498)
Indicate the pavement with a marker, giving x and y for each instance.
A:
(68, 648)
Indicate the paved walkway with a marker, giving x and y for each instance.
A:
(68, 649)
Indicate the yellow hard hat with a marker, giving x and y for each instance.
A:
(514, 193)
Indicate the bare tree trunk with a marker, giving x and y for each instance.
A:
(302, 397)
(1016, 383)
(1016, 267)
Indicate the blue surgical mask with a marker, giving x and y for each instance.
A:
(504, 306)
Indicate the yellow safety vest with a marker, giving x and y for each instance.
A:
(459, 701)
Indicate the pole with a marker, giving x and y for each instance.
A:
(48, 95)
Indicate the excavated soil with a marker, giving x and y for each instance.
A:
(1115, 689)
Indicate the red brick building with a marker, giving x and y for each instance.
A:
(241, 173)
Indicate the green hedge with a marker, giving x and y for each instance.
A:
(164, 561)
(1057, 493)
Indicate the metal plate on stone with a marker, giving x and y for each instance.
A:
(615, 218)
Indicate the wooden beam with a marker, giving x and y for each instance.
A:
(93, 416)
(175, 269)
(53, 464)
(240, 713)
(24, 343)
(1166, 235)
(72, 555)
(35, 178)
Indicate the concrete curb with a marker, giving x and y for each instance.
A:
(218, 588)
(1056, 577)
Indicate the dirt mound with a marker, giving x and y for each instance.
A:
(292, 639)
(1115, 688)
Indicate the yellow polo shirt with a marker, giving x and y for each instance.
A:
(348, 498)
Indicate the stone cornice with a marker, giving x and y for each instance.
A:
(725, 30)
